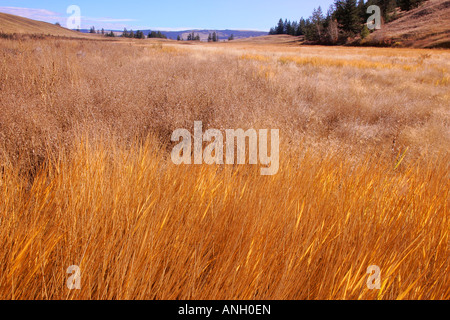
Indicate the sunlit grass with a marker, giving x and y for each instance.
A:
(360, 64)
(142, 228)
(86, 177)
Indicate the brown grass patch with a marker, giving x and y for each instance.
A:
(86, 177)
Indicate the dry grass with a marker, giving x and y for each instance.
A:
(12, 24)
(427, 26)
(86, 177)
(278, 40)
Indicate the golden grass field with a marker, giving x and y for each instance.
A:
(86, 177)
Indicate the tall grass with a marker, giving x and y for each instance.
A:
(86, 177)
(142, 228)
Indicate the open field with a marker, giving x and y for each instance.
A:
(86, 177)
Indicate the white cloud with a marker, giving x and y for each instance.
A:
(172, 29)
(35, 14)
(110, 20)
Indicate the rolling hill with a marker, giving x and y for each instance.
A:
(427, 26)
(10, 24)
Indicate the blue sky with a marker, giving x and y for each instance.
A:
(168, 15)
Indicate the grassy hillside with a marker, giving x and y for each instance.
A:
(427, 26)
(280, 39)
(10, 24)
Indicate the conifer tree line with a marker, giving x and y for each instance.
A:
(344, 19)
(140, 35)
(102, 32)
(193, 37)
(213, 37)
(156, 34)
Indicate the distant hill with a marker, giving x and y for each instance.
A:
(14, 24)
(223, 34)
(427, 26)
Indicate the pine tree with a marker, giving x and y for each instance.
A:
(302, 27)
(409, 4)
(294, 28)
(310, 31)
(139, 35)
(154, 34)
(191, 36)
(362, 11)
(280, 27)
(317, 19)
(287, 27)
(346, 15)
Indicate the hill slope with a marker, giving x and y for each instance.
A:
(278, 39)
(427, 26)
(14, 24)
